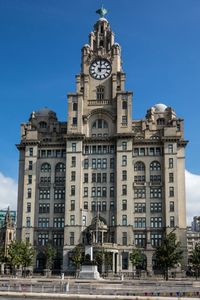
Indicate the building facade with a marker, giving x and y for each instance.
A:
(120, 179)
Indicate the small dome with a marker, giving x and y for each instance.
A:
(160, 107)
(45, 112)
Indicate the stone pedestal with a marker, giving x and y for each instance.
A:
(89, 272)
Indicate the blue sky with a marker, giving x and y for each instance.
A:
(40, 47)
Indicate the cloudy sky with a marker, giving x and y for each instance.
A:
(40, 56)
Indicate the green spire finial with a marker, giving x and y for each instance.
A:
(102, 11)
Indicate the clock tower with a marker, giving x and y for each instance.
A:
(99, 115)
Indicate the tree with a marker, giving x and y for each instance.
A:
(168, 254)
(194, 259)
(19, 254)
(136, 259)
(27, 255)
(77, 258)
(49, 253)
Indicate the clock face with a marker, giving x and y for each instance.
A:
(100, 69)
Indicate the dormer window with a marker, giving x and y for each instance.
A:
(161, 121)
(43, 125)
(100, 92)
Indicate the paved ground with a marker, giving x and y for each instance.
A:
(108, 289)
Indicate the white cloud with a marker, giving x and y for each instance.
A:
(8, 192)
(192, 195)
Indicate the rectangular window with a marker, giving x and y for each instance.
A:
(30, 165)
(93, 177)
(71, 239)
(73, 147)
(59, 208)
(28, 222)
(72, 220)
(93, 206)
(98, 191)
(124, 238)
(112, 177)
(124, 120)
(86, 163)
(104, 177)
(172, 222)
(124, 189)
(140, 239)
(43, 239)
(140, 222)
(29, 179)
(58, 222)
(112, 191)
(156, 222)
(73, 176)
(171, 177)
(139, 193)
(99, 163)
(142, 151)
(124, 220)
(156, 207)
(44, 193)
(84, 222)
(85, 191)
(104, 206)
(98, 177)
(86, 177)
(124, 204)
(124, 175)
(59, 193)
(140, 207)
(43, 222)
(74, 121)
(104, 163)
(112, 163)
(156, 239)
(30, 151)
(73, 190)
(93, 192)
(73, 161)
(44, 208)
(170, 148)
(94, 163)
(58, 239)
(171, 206)
(85, 205)
(155, 193)
(124, 160)
(28, 208)
(104, 191)
(112, 205)
(171, 191)
(72, 204)
(124, 146)
(29, 192)
(171, 163)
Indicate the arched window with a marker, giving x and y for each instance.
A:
(60, 167)
(139, 166)
(155, 166)
(100, 123)
(43, 124)
(161, 121)
(45, 167)
(100, 92)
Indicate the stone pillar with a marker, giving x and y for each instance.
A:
(113, 262)
(89, 250)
